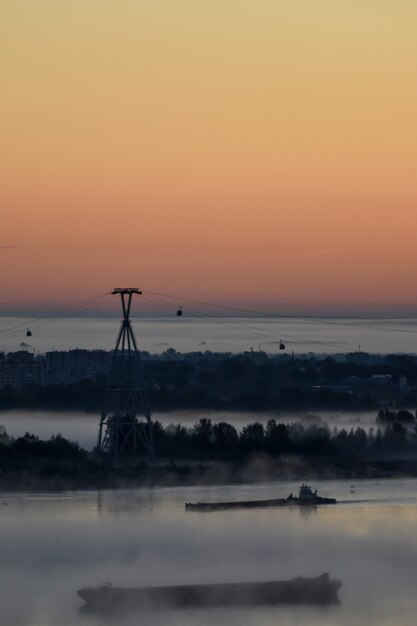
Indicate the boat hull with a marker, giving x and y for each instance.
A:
(320, 590)
(257, 504)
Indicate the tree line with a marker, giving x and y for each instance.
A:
(394, 437)
(222, 441)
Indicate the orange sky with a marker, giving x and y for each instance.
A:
(254, 153)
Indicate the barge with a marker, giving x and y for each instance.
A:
(306, 497)
(321, 590)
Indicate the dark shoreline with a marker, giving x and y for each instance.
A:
(217, 453)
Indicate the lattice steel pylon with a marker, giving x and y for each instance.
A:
(120, 432)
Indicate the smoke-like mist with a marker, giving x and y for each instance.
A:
(53, 544)
(83, 427)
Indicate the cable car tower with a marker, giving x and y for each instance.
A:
(120, 432)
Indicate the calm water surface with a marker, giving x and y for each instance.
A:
(52, 544)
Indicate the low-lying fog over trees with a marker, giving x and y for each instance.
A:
(296, 449)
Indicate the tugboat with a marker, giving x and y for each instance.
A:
(306, 497)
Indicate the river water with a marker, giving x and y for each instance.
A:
(52, 544)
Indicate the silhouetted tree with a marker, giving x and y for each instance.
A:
(278, 439)
(253, 437)
(225, 438)
(203, 434)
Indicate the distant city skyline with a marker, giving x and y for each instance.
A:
(254, 154)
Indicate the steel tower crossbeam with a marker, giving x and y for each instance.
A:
(120, 432)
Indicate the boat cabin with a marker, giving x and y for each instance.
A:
(306, 493)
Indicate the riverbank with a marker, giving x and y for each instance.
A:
(217, 453)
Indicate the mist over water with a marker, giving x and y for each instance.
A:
(218, 334)
(54, 544)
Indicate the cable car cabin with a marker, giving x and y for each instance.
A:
(28, 333)
(179, 312)
(281, 345)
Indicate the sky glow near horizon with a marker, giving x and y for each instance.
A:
(258, 154)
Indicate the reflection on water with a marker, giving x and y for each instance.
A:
(53, 544)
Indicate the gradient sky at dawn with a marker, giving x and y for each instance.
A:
(258, 153)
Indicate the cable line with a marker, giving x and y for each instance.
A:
(55, 315)
(222, 321)
(212, 304)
